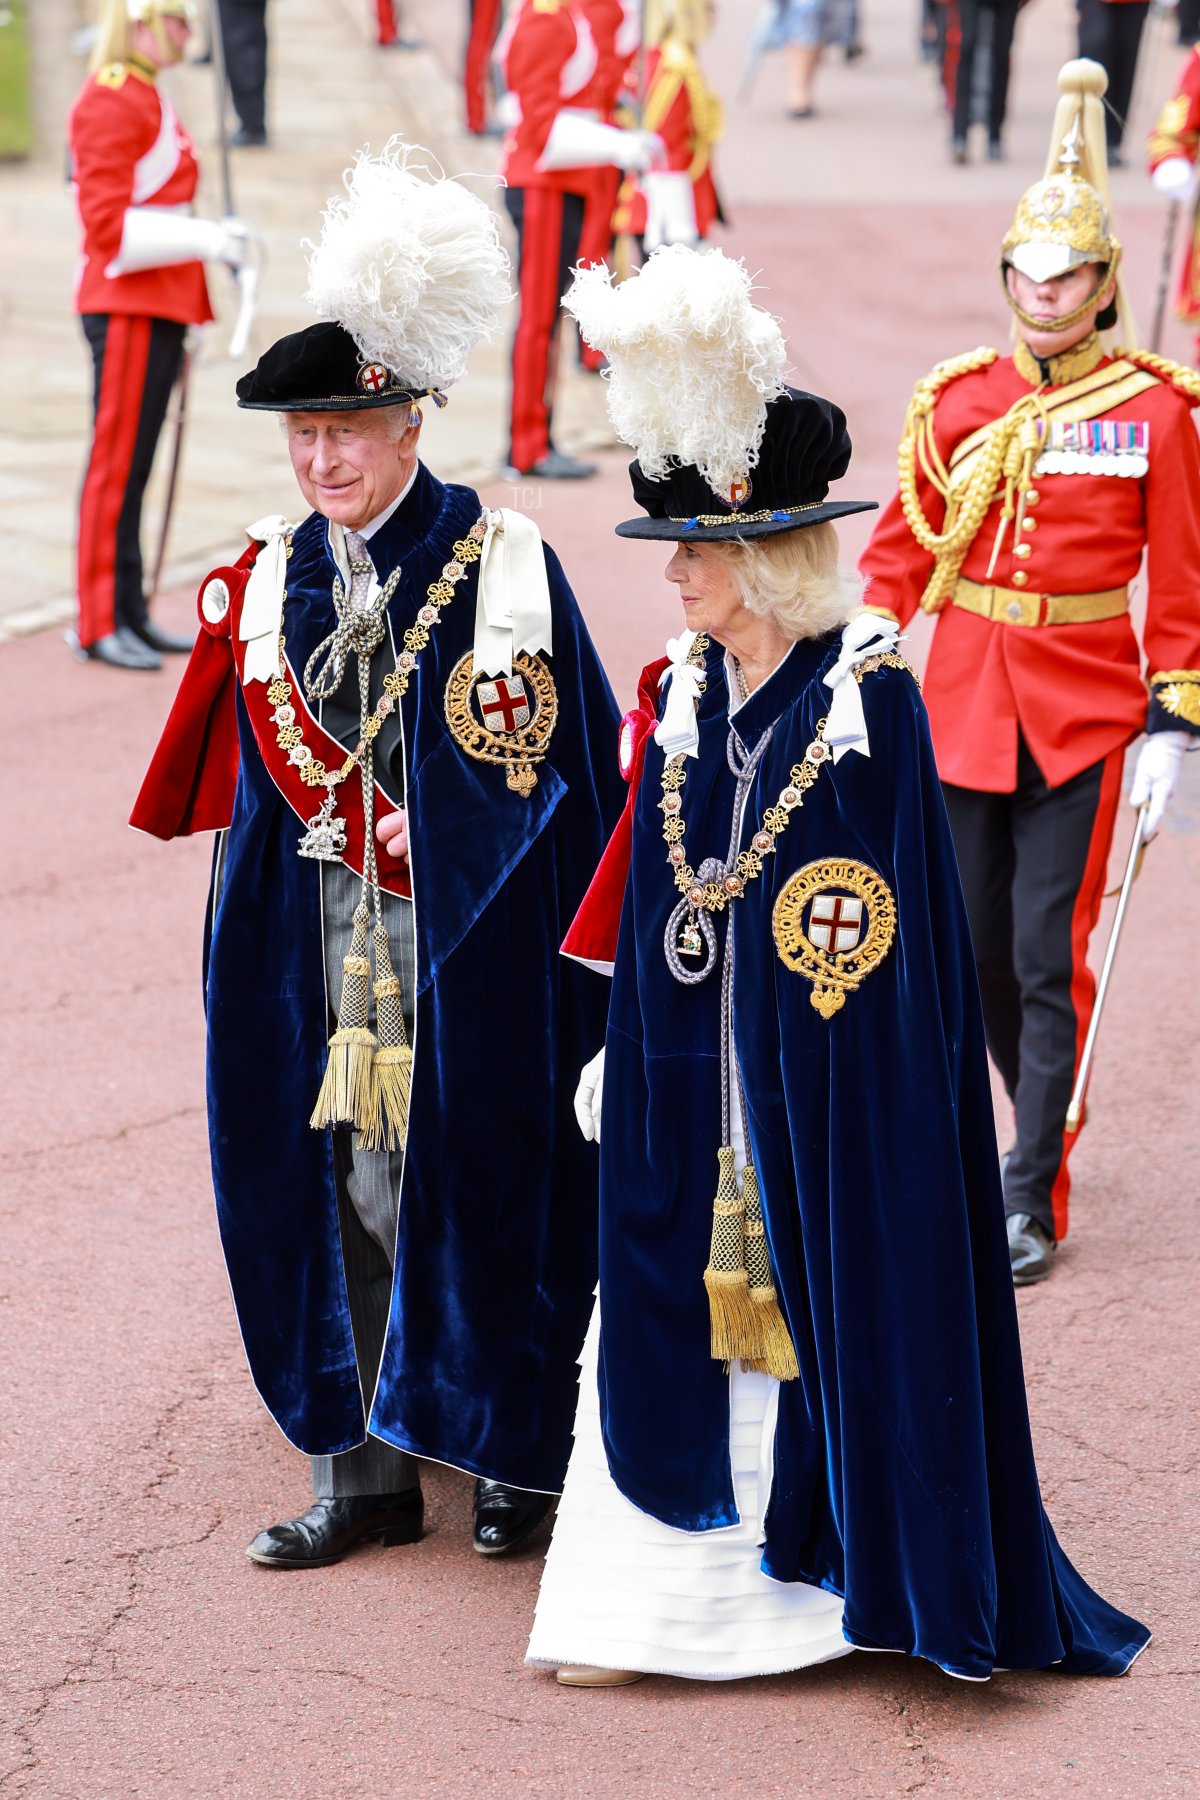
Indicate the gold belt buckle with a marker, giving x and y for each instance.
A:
(1018, 609)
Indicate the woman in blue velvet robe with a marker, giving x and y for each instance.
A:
(883, 1495)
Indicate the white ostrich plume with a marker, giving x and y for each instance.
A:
(692, 361)
(411, 264)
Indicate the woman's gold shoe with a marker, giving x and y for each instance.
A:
(584, 1675)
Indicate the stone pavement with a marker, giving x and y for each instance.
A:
(143, 1654)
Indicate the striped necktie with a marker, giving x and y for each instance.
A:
(361, 570)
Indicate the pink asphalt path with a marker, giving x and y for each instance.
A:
(144, 1655)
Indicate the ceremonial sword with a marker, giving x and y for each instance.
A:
(1137, 850)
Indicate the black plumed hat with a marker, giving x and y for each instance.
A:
(805, 447)
(321, 369)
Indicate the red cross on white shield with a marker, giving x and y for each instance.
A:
(504, 704)
(835, 922)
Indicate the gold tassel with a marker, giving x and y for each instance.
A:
(347, 1091)
(733, 1320)
(775, 1353)
(388, 1126)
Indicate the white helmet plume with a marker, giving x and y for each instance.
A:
(411, 264)
(692, 361)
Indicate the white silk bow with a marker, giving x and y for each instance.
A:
(512, 609)
(262, 607)
(677, 730)
(866, 635)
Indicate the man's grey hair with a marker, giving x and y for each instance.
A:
(395, 418)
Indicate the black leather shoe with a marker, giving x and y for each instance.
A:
(1030, 1249)
(554, 466)
(334, 1524)
(245, 139)
(120, 649)
(505, 1516)
(167, 643)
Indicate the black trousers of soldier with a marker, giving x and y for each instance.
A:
(244, 35)
(990, 23)
(1033, 866)
(135, 362)
(1110, 32)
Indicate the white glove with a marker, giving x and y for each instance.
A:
(670, 208)
(231, 248)
(588, 1096)
(161, 237)
(1156, 772)
(578, 140)
(640, 150)
(1175, 178)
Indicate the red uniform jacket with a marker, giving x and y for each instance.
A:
(1075, 691)
(128, 149)
(681, 107)
(550, 60)
(1177, 133)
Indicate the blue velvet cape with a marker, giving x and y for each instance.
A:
(496, 1252)
(904, 1472)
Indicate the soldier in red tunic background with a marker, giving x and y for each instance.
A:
(555, 76)
(1171, 152)
(1031, 485)
(679, 204)
(141, 284)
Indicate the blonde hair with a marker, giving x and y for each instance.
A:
(794, 579)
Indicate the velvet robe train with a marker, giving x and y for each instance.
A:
(495, 1251)
(904, 1471)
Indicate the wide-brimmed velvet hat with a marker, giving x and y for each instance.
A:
(407, 276)
(805, 448)
(322, 369)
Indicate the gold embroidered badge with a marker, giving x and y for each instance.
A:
(505, 719)
(833, 923)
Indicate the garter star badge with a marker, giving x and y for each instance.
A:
(506, 719)
(833, 923)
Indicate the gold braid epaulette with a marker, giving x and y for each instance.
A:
(1185, 381)
(1007, 453)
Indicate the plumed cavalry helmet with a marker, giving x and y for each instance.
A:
(1063, 221)
(117, 16)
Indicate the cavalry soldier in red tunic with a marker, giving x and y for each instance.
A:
(1172, 152)
(1030, 487)
(679, 204)
(141, 284)
(556, 144)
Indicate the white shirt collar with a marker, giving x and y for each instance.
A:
(336, 534)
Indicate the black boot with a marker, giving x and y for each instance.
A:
(120, 649)
(1030, 1249)
(505, 1516)
(334, 1524)
(167, 643)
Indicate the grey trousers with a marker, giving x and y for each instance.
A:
(368, 1197)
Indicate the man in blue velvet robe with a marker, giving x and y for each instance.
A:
(427, 1302)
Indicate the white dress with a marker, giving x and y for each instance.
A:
(621, 1590)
